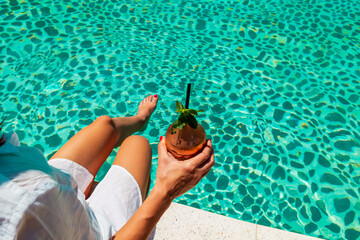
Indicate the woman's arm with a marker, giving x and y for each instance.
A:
(173, 178)
(145, 218)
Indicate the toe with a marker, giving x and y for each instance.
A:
(144, 100)
(150, 98)
(155, 99)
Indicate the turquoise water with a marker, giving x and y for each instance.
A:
(279, 82)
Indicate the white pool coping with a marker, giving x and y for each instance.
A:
(183, 222)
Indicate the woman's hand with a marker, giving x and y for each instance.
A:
(176, 177)
(173, 178)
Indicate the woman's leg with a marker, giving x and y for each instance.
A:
(135, 156)
(92, 145)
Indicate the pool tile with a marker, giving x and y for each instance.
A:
(278, 84)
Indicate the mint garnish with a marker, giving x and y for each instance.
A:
(186, 116)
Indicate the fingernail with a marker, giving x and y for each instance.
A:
(155, 96)
(161, 138)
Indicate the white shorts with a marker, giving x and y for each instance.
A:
(116, 197)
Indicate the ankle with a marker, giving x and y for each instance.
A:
(141, 119)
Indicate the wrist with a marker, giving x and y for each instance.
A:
(161, 194)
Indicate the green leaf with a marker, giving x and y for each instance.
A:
(192, 121)
(176, 123)
(187, 116)
(179, 106)
(193, 112)
(182, 118)
(182, 126)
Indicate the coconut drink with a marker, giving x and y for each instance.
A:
(185, 137)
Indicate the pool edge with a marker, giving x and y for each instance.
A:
(184, 222)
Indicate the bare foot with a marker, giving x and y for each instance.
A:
(127, 126)
(146, 108)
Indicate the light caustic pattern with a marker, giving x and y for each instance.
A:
(278, 82)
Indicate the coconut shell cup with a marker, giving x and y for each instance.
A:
(185, 143)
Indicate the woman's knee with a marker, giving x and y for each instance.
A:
(107, 126)
(137, 145)
(104, 120)
(138, 140)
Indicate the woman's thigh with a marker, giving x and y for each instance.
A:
(135, 156)
(91, 146)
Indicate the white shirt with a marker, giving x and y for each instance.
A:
(38, 201)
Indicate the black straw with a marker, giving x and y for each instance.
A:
(187, 96)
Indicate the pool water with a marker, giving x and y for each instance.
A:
(279, 82)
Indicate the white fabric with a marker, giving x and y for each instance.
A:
(80, 174)
(38, 201)
(117, 196)
(42, 201)
(83, 178)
